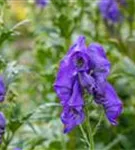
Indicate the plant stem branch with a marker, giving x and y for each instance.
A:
(89, 130)
(84, 135)
(98, 124)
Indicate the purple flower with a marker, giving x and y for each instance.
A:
(85, 68)
(42, 3)
(2, 125)
(2, 89)
(110, 10)
(17, 149)
(68, 86)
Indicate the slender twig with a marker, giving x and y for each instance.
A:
(84, 135)
(98, 124)
(89, 130)
(20, 24)
(113, 143)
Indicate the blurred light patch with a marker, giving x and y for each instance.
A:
(19, 9)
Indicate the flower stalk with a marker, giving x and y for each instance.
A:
(89, 130)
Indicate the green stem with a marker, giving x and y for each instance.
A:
(7, 142)
(89, 130)
(84, 135)
(63, 143)
(98, 124)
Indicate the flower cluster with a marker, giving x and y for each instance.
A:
(85, 68)
(110, 9)
(2, 97)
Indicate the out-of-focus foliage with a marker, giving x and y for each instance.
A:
(32, 42)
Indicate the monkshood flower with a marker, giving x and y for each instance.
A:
(42, 3)
(110, 9)
(85, 68)
(2, 89)
(2, 125)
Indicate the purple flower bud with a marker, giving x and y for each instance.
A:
(2, 89)
(41, 3)
(110, 10)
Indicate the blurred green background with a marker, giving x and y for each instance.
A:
(32, 42)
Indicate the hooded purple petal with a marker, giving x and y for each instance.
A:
(2, 89)
(78, 55)
(71, 117)
(111, 103)
(79, 45)
(76, 98)
(100, 66)
(73, 114)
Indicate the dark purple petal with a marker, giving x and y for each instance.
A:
(2, 89)
(64, 81)
(111, 103)
(71, 117)
(76, 98)
(100, 66)
(66, 75)
(73, 114)
(63, 94)
(87, 81)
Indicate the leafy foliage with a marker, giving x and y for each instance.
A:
(30, 50)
